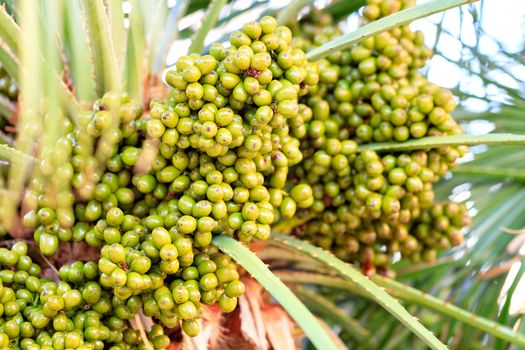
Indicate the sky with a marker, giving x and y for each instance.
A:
(497, 21)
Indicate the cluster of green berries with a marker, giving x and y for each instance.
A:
(151, 191)
(369, 206)
(83, 174)
(231, 113)
(362, 199)
(50, 197)
(75, 313)
(374, 92)
(250, 134)
(138, 208)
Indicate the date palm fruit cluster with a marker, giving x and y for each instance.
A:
(150, 190)
(233, 108)
(250, 134)
(75, 313)
(371, 205)
(110, 183)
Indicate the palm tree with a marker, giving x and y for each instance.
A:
(59, 57)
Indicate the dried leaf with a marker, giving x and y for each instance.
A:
(237, 343)
(516, 244)
(212, 333)
(278, 326)
(247, 321)
(254, 329)
(498, 270)
(212, 330)
(232, 338)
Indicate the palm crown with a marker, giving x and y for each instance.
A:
(142, 189)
